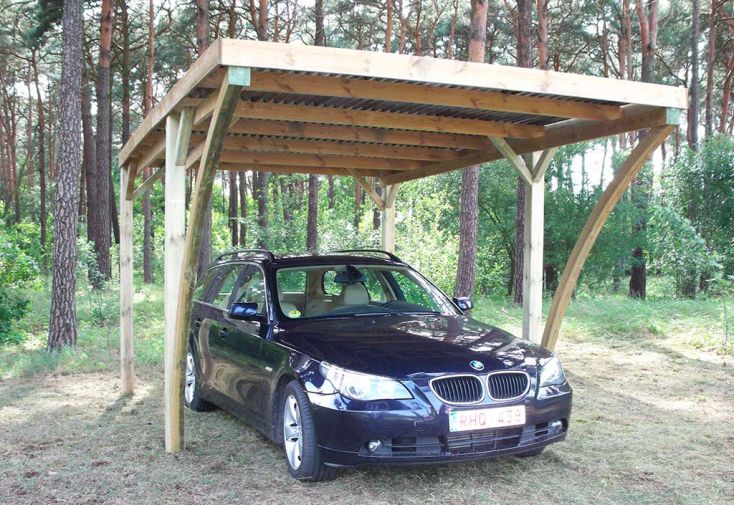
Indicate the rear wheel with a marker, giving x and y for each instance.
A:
(192, 386)
(302, 453)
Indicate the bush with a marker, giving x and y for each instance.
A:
(12, 309)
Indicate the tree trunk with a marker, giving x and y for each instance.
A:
(243, 208)
(693, 110)
(524, 59)
(710, 60)
(41, 160)
(233, 208)
(202, 40)
(543, 34)
(648, 21)
(469, 213)
(147, 107)
(312, 236)
(89, 165)
(101, 230)
(388, 25)
(261, 192)
(62, 326)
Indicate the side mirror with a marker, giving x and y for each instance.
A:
(243, 311)
(464, 303)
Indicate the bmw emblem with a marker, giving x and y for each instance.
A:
(476, 365)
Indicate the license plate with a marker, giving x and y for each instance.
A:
(482, 419)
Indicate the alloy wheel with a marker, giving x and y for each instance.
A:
(190, 378)
(292, 432)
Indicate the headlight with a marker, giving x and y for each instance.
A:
(552, 373)
(360, 386)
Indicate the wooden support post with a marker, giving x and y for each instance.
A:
(532, 299)
(175, 218)
(127, 355)
(390, 193)
(593, 226)
(227, 99)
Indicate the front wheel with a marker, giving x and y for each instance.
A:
(192, 386)
(302, 453)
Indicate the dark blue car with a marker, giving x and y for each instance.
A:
(353, 358)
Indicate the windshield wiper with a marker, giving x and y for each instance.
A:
(367, 314)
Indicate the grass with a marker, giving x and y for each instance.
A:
(651, 422)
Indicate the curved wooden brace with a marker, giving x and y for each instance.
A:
(593, 226)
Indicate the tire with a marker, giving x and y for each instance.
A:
(531, 454)
(192, 385)
(301, 451)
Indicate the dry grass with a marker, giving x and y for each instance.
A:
(652, 424)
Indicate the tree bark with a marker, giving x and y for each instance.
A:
(243, 209)
(101, 230)
(312, 234)
(388, 25)
(62, 326)
(710, 61)
(469, 213)
(89, 165)
(233, 209)
(41, 160)
(693, 109)
(542, 6)
(147, 107)
(647, 17)
(524, 59)
(202, 39)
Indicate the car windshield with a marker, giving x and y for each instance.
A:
(354, 290)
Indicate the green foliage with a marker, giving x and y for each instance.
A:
(17, 269)
(678, 250)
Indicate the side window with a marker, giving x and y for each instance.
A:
(203, 286)
(250, 288)
(413, 293)
(374, 288)
(222, 286)
(330, 287)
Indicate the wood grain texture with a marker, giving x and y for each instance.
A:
(589, 233)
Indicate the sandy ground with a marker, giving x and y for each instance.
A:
(650, 425)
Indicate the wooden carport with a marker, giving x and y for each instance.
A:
(289, 108)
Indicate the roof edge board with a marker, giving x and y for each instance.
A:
(346, 62)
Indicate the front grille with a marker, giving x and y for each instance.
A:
(458, 389)
(507, 385)
(483, 441)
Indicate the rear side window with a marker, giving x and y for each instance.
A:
(292, 281)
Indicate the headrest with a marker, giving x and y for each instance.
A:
(350, 275)
(355, 294)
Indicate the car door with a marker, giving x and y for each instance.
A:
(240, 344)
(209, 323)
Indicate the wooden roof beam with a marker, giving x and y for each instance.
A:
(299, 130)
(315, 160)
(636, 117)
(382, 119)
(342, 87)
(289, 169)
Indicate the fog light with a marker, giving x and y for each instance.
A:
(373, 445)
(555, 427)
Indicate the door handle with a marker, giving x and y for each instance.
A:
(223, 333)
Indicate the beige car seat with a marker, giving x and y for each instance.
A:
(354, 294)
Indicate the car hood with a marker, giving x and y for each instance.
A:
(406, 346)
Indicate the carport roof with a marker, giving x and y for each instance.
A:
(331, 111)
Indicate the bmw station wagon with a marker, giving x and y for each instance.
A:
(352, 358)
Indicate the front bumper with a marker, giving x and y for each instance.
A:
(417, 431)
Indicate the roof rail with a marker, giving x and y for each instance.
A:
(263, 252)
(373, 251)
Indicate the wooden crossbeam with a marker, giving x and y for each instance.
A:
(289, 169)
(148, 183)
(198, 71)
(571, 131)
(326, 147)
(513, 158)
(546, 156)
(227, 99)
(320, 85)
(382, 119)
(316, 160)
(589, 233)
(359, 134)
(368, 188)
